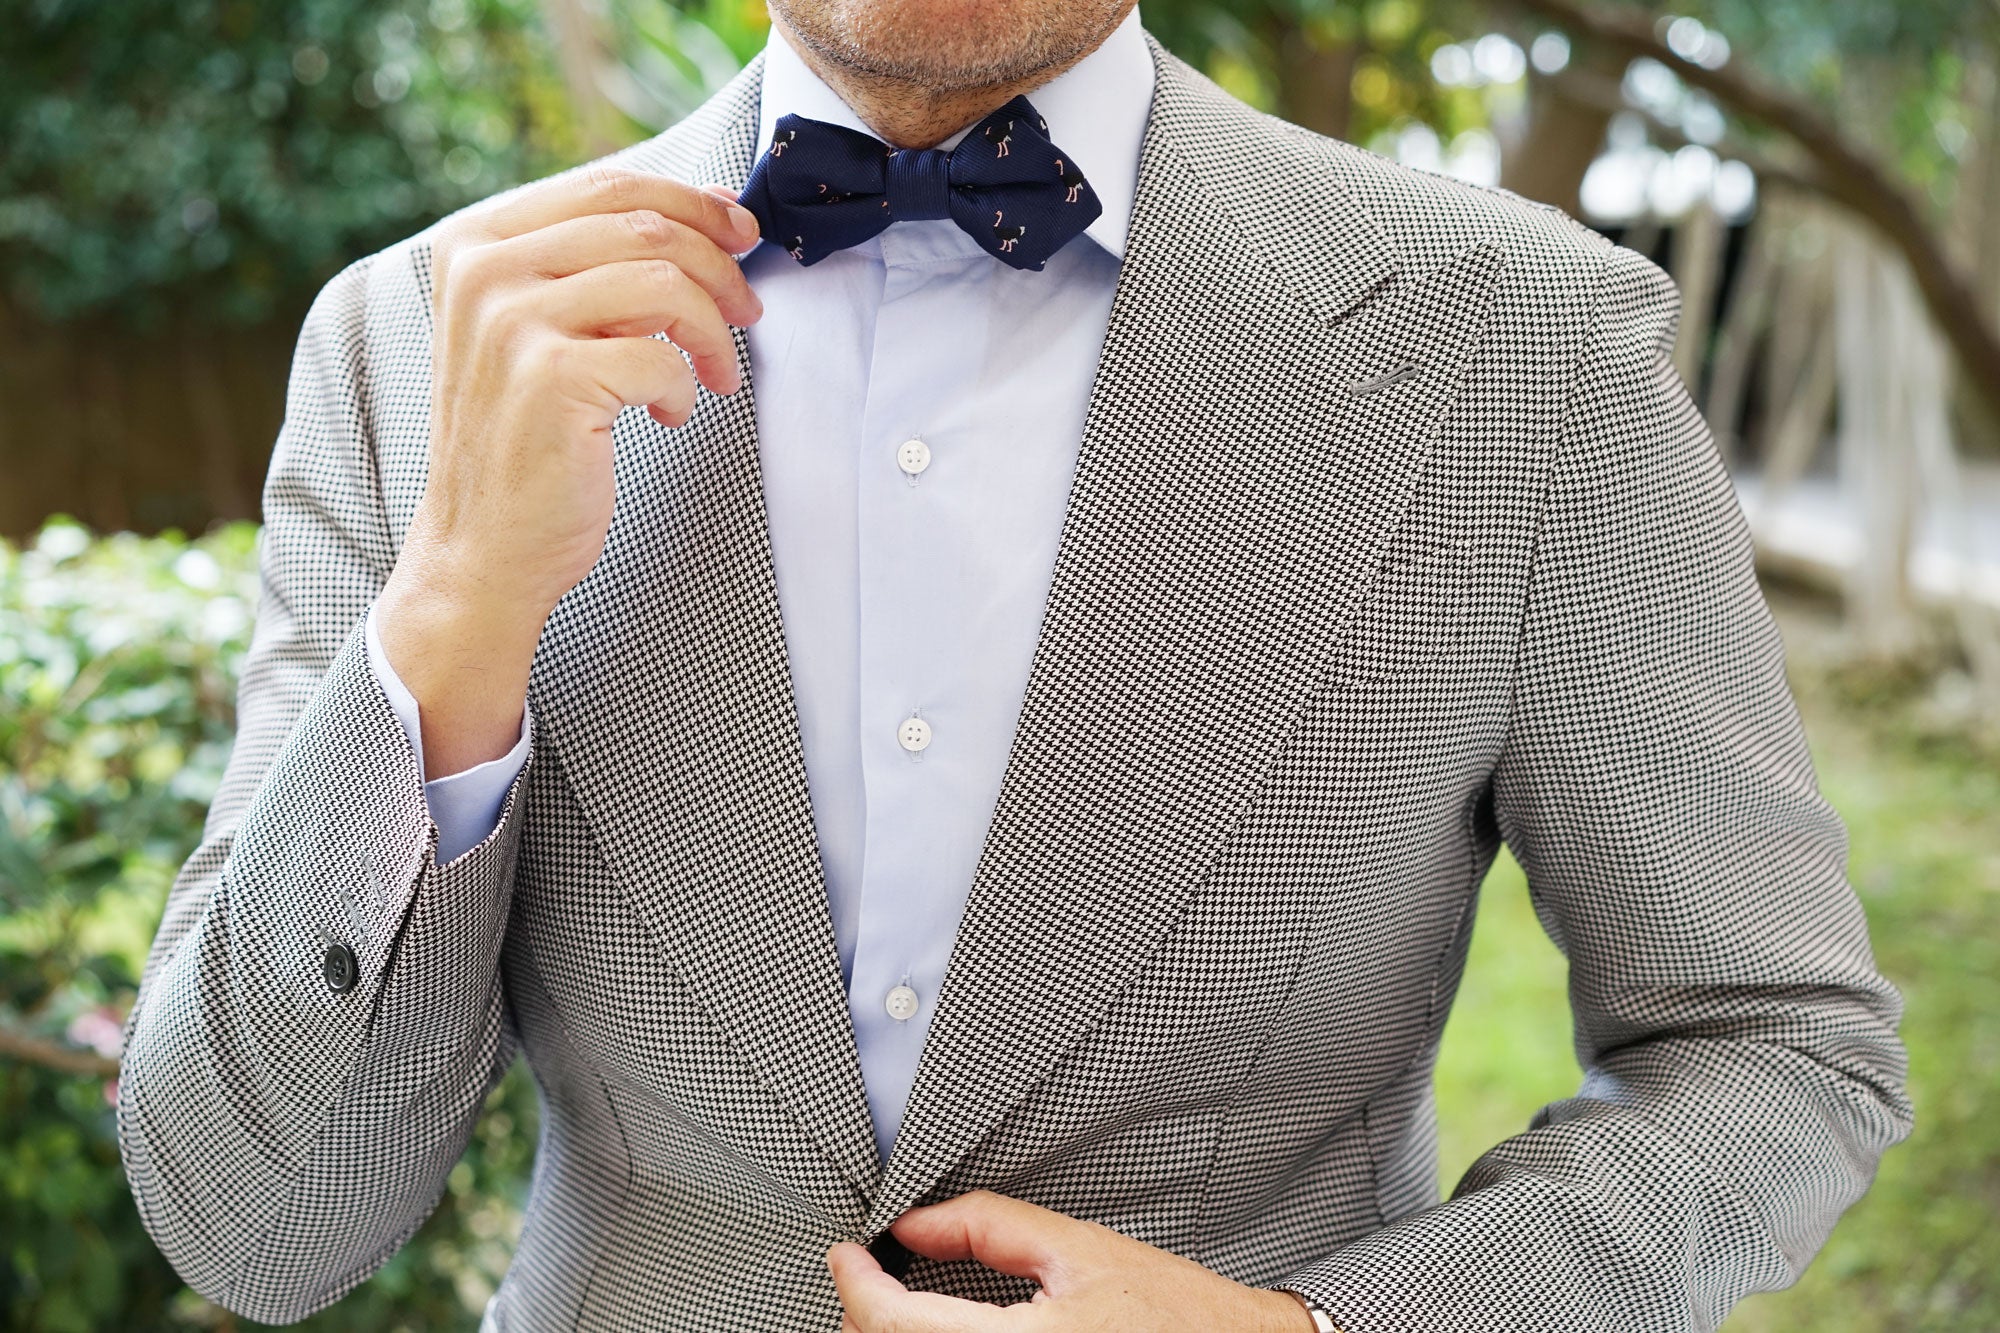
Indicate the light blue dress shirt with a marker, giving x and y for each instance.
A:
(919, 410)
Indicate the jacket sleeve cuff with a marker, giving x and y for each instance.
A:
(466, 805)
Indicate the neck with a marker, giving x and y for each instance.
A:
(907, 115)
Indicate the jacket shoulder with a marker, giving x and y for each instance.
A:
(1619, 301)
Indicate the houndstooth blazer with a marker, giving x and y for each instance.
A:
(1394, 534)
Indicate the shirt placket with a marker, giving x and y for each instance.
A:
(909, 611)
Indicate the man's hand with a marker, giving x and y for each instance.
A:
(1091, 1278)
(544, 303)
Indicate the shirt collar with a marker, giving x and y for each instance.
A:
(1096, 110)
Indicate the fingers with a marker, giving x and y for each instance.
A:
(644, 296)
(856, 1272)
(710, 214)
(628, 372)
(577, 244)
(604, 189)
(874, 1302)
(1006, 1235)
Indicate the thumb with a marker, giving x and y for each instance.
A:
(1007, 1235)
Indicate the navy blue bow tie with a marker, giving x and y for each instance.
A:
(821, 188)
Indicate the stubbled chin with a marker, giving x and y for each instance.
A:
(951, 44)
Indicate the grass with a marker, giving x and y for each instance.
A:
(1922, 1250)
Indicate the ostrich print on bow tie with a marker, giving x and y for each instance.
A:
(1071, 177)
(1006, 235)
(1000, 134)
(781, 141)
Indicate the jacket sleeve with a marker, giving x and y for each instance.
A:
(1742, 1073)
(283, 1138)
(465, 805)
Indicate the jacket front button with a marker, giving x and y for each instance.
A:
(339, 967)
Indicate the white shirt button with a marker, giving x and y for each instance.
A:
(914, 734)
(901, 1002)
(913, 457)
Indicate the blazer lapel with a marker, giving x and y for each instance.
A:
(1231, 502)
(663, 686)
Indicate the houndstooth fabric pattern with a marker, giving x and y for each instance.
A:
(1393, 535)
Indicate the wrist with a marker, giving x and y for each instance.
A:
(1308, 1317)
(1284, 1312)
(464, 657)
(447, 574)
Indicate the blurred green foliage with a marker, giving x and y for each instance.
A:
(1892, 75)
(1244, 46)
(222, 158)
(667, 58)
(1904, 63)
(118, 665)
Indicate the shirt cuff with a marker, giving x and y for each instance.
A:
(465, 806)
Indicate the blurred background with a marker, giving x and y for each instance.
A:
(178, 177)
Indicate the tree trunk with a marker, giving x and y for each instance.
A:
(1315, 77)
(1743, 325)
(1801, 405)
(1975, 221)
(1877, 469)
(1698, 241)
(1565, 131)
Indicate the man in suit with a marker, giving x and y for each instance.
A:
(972, 784)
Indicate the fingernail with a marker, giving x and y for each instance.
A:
(744, 221)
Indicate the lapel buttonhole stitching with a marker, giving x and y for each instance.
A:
(1407, 370)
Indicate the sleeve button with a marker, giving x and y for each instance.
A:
(339, 968)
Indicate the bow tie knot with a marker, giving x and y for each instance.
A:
(919, 185)
(821, 188)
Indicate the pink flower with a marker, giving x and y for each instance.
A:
(102, 1029)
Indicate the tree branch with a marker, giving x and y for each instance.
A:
(1603, 93)
(24, 1049)
(1846, 173)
